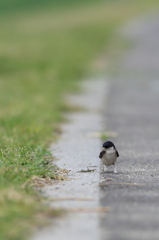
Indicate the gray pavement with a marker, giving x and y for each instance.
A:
(133, 112)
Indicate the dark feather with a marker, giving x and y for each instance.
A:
(101, 154)
(117, 153)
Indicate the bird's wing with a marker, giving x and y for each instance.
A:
(101, 154)
(117, 153)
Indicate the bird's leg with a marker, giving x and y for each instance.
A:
(106, 168)
(115, 171)
(102, 166)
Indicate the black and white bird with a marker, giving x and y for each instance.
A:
(109, 155)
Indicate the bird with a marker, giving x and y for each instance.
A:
(109, 155)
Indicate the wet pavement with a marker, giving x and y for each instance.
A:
(133, 112)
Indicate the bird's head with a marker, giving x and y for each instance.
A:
(108, 145)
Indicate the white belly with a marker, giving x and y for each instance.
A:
(109, 158)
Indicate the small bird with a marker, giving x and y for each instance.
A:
(109, 155)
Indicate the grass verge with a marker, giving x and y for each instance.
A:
(42, 55)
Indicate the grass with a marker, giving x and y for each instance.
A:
(43, 55)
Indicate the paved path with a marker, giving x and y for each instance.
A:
(133, 112)
(77, 150)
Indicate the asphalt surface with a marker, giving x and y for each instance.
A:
(133, 112)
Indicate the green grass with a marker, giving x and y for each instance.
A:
(44, 52)
(13, 6)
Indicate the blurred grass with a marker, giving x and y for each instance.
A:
(23, 5)
(44, 51)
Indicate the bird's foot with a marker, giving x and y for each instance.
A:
(104, 169)
(115, 170)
